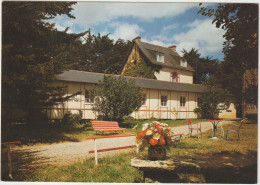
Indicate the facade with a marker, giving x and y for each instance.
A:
(171, 93)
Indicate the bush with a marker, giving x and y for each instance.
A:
(116, 97)
(129, 122)
(72, 119)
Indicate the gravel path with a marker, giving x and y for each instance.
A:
(67, 153)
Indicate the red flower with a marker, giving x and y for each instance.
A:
(159, 130)
(156, 125)
(162, 142)
(153, 141)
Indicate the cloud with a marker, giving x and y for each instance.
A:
(94, 13)
(125, 31)
(202, 35)
(167, 29)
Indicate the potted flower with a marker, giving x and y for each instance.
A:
(156, 136)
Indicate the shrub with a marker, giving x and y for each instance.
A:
(129, 122)
(116, 97)
(72, 119)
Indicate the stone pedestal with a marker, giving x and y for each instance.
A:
(162, 171)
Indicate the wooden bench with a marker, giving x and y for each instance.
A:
(106, 126)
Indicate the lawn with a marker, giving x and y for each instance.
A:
(221, 161)
(55, 133)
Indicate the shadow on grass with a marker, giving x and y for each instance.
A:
(31, 134)
(223, 167)
(23, 162)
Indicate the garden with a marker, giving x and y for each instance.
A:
(220, 161)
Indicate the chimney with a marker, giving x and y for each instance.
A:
(137, 39)
(173, 48)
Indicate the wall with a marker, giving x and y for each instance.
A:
(229, 113)
(184, 76)
(152, 108)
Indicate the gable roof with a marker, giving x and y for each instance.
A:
(94, 78)
(171, 58)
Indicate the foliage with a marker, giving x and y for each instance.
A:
(129, 122)
(116, 97)
(101, 54)
(204, 67)
(141, 68)
(208, 102)
(33, 53)
(240, 21)
(72, 119)
(154, 134)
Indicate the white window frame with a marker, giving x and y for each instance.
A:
(183, 62)
(182, 101)
(160, 57)
(164, 103)
(177, 77)
(89, 98)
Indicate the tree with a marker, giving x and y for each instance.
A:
(204, 67)
(33, 53)
(209, 101)
(240, 21)
(116, 97)
(101, 54)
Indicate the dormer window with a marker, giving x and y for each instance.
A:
(160, 57)
(183, 62)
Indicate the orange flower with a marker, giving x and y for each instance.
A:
(159, 130)
(170, 129)
(142, 134)
(138, 136)
(157, 125)
(153, 141)
(162, 142)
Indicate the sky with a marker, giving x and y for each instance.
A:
(162, 24)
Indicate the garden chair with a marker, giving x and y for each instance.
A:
(234, 128)
(193, 127)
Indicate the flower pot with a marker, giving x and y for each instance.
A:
(156, 153)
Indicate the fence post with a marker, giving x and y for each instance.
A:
(96, 159)
(9, 161)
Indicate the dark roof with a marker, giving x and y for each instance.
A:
(89, 77)
(171, 58)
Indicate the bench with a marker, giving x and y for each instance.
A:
(176, 135)
(106, 126)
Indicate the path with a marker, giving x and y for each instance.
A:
(67, 153)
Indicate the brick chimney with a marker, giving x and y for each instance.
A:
(173, 48)
(137, 39)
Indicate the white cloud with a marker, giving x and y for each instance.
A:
(94, 13)
(125, 31)
(203, 35)
(169, 28)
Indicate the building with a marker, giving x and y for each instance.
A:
(165, 77)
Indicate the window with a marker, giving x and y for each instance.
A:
(144, 99)
(174, 77)
(163, 100)
(182, 101)
(89, 98)
(183, 62)
(159, 57)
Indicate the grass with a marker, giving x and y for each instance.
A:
(221, 161)
(55, 133)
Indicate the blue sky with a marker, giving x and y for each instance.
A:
(163, 24)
